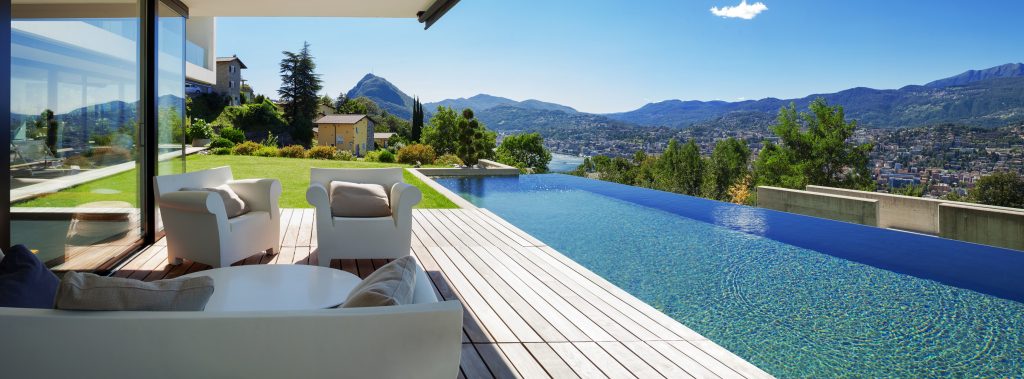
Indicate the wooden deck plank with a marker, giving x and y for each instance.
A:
(588, 329)
(608, 364)
(496, 361)
(691, 366)
(523, 361)
(550, 361)
(579, 362)
(632, 362)
(530, 325)
(471, 298)
(472, 365)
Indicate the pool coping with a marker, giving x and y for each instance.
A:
(455, 198)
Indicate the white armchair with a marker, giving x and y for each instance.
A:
(197, 225)
(363, 238)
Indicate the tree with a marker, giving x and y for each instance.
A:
(299, 87)
(680, 169)
(1004, 189)
(47, 121)
(821, 155)
(417, 120)
(728, 164)
(469, 133)
(340, 101)
(525, 151)
(441, 131)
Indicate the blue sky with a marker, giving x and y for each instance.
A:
(610, 56)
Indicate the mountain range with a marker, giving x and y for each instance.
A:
(988, 98)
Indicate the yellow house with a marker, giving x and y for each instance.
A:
(352, 132)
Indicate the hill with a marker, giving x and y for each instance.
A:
(483, 102)
(991, 102)
(385, 94)
(1009, 70)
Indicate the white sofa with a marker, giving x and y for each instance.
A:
(197, 225)
(369, 237)
(420, 340)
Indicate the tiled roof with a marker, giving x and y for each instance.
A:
(340, 119)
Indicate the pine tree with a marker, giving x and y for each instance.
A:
(299, 87)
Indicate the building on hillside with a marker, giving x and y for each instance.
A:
(325, 110)
(381, 139)
(229, 78)
(351, 132)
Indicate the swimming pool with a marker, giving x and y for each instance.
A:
(794, 295)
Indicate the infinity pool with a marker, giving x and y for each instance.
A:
(794, 295)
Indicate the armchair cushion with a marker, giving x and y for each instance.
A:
(90, 292)
(359, 200)
(234, 206)
(392, 284)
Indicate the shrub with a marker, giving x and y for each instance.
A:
(221, 142)
(344, 155)
(373, 156)
(246, 148)
(421, 153)
(448, 160)
(221, 151)
(266, 151)
(109, 155)
(293, 151)
(271, 140)
(200, 130)
(322, 152)
(386, 157)
(234, 135)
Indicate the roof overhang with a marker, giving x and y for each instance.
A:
(425, 11)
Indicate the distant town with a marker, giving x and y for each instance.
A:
(942, 159)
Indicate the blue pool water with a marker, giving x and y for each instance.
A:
(794, 295)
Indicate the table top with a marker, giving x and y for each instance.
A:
(277, 287)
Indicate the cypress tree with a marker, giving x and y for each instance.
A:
(417, 120)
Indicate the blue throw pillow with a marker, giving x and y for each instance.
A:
(25, 282)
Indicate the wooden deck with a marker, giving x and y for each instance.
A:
(529, 310)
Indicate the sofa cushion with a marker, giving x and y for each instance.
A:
(359, 200)
(90, 292)
(233, 205)
(392, 284)
(25, 282)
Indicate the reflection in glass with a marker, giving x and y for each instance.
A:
(170, 82)
(73, 130)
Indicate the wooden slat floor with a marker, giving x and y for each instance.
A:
(529, 310)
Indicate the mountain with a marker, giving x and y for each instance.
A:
(385, 94)
(1009, 70)
(988, 98)
(484, 102)
(514, 117)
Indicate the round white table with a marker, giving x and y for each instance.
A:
(277, 287)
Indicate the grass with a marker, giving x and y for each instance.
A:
(293, 174)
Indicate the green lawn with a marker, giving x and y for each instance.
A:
(293, 174)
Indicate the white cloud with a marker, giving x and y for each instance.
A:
(743, 10)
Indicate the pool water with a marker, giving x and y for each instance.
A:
(794, 295)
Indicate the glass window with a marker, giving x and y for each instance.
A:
(74, 136)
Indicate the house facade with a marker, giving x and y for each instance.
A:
(349, 132)
(229, 78)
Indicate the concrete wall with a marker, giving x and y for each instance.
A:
(915, 214)
(984, 225)
(834, 207)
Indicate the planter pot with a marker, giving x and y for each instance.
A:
(200, 142)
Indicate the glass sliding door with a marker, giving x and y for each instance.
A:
(172, 123)
(73, 132)
(78, 153)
